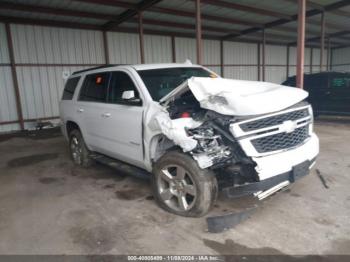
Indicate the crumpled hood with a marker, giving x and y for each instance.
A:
(239, 97)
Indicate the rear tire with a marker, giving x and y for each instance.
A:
(181, 187)
(80, 154)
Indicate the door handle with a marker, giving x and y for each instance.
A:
(106, 114)
(80, 110)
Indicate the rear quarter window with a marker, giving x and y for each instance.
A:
(69, 88)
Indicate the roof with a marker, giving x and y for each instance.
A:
(136, 67)
(236, 20)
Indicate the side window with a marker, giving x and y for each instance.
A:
(339, 81)
(121, 82)
(69, 88)
(94, 88)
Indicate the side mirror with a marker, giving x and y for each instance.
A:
(128, 95)
(130, 98)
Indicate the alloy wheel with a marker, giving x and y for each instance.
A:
(176, 188)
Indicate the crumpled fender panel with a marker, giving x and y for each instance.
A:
(175, 130)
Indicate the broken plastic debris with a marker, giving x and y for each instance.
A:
(175, 130)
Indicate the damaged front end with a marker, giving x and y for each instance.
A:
(253, 146)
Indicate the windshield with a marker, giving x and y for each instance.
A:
(160, 82)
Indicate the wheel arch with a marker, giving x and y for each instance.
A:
(70, 126)
(158, 146)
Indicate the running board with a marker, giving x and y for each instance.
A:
(263, 194)
(121, 166)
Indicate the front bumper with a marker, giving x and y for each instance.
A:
(279, 169)
(277, 182)
(275, 164)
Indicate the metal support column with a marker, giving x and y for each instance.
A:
(259, 63)
(328, 53)
(322, 40)
(331, 59)
(14, 76)
(105, 47)
(311, 58)
(222, 58)
(301, 43)
(199, 32)
(173, 51)
(142, 49)
(287, 66)
(263, 54)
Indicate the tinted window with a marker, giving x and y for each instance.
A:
(69, 88)
(160, 82)
(120, 82)
(94, 88)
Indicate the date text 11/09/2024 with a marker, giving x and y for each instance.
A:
(174, 258)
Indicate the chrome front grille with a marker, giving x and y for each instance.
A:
(274, 120)
(281, 141)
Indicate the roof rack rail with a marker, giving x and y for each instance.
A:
(97, 67)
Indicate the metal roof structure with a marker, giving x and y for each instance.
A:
(236, 20)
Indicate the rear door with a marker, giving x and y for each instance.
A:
(67, 106)
(90, 106)
(120, 122)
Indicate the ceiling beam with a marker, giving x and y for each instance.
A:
(282, 21)
(175, 12)
(185, 13)
(53, 11)
(130, 13)
(54, 23)
(47, 22)
(341, 46)
(101, 16)
(316, 38)
(320, 7)
(246, 8)
(328, 25)
(164, 23)
(114, 3)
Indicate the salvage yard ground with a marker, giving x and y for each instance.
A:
(49, 206)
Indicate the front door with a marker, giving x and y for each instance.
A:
(120, 123)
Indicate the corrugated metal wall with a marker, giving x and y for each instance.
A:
(157, 49)
(240, 60)
(276, 63)
(43, 54)
(185, 48)
(123, 48)
(8, 111)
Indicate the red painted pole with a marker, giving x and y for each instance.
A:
(199, 32)
(301, 43)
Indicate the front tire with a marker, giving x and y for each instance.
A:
(79, 152)
(181, 187)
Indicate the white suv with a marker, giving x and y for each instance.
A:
(194, 132)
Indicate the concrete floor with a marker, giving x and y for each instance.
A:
(48, 206)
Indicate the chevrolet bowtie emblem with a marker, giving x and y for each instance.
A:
(288, 126)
